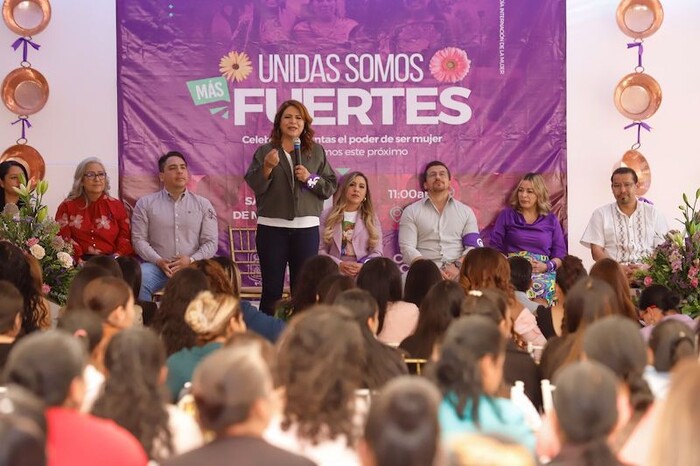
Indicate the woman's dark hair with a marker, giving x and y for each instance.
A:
(15, 269)
(306, 287)
(169, 321)
(307, 134)
(611, 272)
(440, 306)
(331, 286)
(108, 263)
(421, 276)
(382, 278)
(218, 278)
(105, 294)
(132, 395)
(4, 170)
(659, 296)
(585, 402)
(520, 273)
(81, 280)
(491, 303)
(84, 325)
(402, 426)
(616, 342)
(21, 443)
(131, 272)
(46, 364)
(382, 362)
(457, 373)
(320, 360)
(569, 272)
(671, 341)
(11, 305)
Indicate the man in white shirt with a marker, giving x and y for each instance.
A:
(438, 228)
(626, 230)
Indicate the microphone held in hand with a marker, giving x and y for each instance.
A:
(297, 151)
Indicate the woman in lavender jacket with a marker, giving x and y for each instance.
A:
(350, 230)
(529, 228)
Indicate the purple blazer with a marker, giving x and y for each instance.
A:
(360, 239)
(511, 233)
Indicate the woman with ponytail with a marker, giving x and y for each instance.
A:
(133, 396)
(670, 343)
(585, 413)
(469, 374)
(656, 304)
(616, 343)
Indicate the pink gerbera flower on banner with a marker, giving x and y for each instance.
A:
(449, 65)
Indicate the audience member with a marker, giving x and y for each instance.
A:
(330, 287)
(382, 362)
(50, 365)
(440, 307)
(438, 228)
(14, 268)
(612, 273)
(320, 360)
(169, 321)
(172, 227)
(659, 304)
(289, 196)
(674, 438)
(616, 343)
(402, 426)
(521, 279)
(131, 272)
(86, 326)
(91, 220)
(670, 343)
(585, 414)
(397, 319)
(268, 326)
(421, 276)
(213, 318)
(550, 319)
(234, 397)
(11, 308)
(469, 374)
(350, 230)
(306, 293)
(85, 275)
(22, 428)
(589, 300)
(132, 396)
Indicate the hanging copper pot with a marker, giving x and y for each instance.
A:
(29, 157)
(25, 91)
(26, 17)
(639, 18)
(637, 96)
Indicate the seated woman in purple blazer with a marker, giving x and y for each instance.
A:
(529, 228)
(350, 230)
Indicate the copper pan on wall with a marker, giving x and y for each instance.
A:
(26, 17)
(29, 157)
(639, 18)
(637, 96)
(25, 91)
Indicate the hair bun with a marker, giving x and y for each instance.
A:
(208, 315)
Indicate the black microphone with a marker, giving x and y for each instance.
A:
(297, 151)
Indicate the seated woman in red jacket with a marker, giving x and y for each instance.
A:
(93, 221)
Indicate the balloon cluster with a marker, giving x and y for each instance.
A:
(25, 90)
(638, 95)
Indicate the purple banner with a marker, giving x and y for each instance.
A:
(391, 84)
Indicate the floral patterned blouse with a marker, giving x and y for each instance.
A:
(101, 227)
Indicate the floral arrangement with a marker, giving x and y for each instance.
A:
(29, 228)
(676, 262)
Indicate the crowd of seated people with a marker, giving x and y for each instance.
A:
(195, 378)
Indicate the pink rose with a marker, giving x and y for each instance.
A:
(694, 282)
(45, 289)
(32, 241)
(648, 281)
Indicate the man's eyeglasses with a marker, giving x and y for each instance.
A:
(95, 175)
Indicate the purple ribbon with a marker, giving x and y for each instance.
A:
(25, 125)
(640, 51)
(24, 42)
(639, 125)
